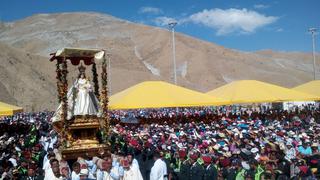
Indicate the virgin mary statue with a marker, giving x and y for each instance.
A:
(86, 103)
(81, 98)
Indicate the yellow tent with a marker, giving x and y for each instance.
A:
(158, 94)
(251, 91)
(7, 109)
(312, 87)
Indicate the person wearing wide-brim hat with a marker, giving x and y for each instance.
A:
(182, 165)
(196, 170)
(210, 170)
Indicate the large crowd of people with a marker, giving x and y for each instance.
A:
(183, 144)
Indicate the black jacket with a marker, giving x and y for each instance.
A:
(210, 173)
(196, 172)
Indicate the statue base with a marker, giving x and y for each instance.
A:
(82, 138)
(85, 151)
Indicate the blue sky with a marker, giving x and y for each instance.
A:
(244, 25)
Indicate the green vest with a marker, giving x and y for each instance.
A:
(22, 170)
(200, 161)
(258, 173)
(216, 166)
(167, 156)
(241, 175)
(36, 156)
(177, 168)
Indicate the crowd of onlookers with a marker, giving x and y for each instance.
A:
(184, 143)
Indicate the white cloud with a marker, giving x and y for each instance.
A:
(163, 20)
(261, 6)
(279, 30)
(150, 10)
(231, 20)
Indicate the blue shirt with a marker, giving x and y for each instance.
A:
(304, 151)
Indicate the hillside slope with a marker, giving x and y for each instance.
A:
(138, 53)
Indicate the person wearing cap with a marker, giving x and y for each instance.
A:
(182, 166)
(210, 171)
(230, 173)
(84, 174)
(196, 170)
(255, 153)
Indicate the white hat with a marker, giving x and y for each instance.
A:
(289, 143)
(282, 146)
(254, 150)
(216, 147)
(164, 147)
(84, 172)
(225, 148)
(14, 162)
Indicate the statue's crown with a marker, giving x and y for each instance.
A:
(81, 68)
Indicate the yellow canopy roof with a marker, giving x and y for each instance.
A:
(312, 87)
(158, 94)
(252, 91)
(8, 110)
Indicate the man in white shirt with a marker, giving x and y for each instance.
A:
(290, 152)
(159, 169)
(107, 165)
(54, 172)
(131, 172)
(133, 161)
(75, 175)
(46, 163)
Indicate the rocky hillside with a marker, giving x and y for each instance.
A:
(138, 52)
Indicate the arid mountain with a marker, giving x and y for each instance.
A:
(138, 53)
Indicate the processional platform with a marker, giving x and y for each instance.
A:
(82, 138)
(79, 134)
